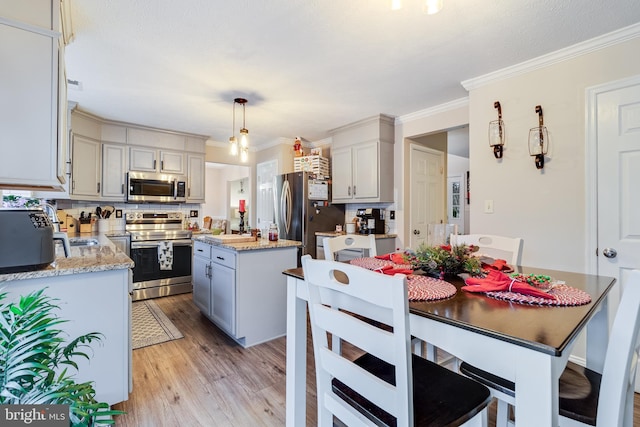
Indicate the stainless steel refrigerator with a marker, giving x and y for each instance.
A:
(303, 207)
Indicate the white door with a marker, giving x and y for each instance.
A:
(427, 192)
(265, 172)
(617, 121)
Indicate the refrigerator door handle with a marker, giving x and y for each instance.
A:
(285, 206)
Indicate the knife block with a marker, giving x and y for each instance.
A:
(85, 227)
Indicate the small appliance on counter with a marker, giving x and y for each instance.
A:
(371, 220)
(27, 240)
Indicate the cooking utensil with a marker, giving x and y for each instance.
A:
(99, 212)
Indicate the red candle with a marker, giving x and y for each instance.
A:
(241, 205)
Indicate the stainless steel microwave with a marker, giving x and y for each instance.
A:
(156, 188)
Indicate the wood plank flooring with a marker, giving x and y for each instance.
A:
(206, 379)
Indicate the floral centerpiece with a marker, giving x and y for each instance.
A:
(439, 261)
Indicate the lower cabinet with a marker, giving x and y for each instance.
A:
(243, 292)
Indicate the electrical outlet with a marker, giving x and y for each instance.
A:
(392, 214)
(488, 206)
(193, 214)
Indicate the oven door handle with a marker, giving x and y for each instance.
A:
(154, 244)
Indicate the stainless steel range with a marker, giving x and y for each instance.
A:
(161, 251)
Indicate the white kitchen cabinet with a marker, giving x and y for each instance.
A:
(214, 285)
(114, 172)
(360, 173)
(29, 83)
(195, 178)
(145, 159)
(201, 274)
(243, 292)
(85, 168)
(223, 289)
(91, 302)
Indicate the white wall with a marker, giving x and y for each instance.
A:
(546, 208)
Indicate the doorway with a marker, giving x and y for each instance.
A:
(218, 192)
(613, 140)
(453, 144)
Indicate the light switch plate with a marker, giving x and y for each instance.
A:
(488, 206)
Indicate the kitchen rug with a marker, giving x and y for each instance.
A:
(150, 326)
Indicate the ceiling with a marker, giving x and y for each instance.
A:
(305, 66)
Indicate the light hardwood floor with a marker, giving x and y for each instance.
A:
(206, 379)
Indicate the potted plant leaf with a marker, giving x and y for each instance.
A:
(34, 358)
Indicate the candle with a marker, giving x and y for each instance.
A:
(241, 205)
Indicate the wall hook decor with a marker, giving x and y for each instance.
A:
(496, 132)
(538, 140)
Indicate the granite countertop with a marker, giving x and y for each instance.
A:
(82, 259)
(260, 244)
(339, 233)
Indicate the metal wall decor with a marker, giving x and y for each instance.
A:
(538, 140)
(496, 132)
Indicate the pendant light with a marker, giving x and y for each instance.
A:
(241, 148)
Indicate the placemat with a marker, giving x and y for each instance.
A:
(565, 296)
(419, 288)
(375, 263)
(425, 288)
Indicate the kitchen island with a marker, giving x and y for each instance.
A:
(92, 290)
(240, 286)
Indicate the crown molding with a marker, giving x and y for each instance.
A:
(432, 111)
(579, 49)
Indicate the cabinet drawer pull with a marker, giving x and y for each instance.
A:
(220, 258)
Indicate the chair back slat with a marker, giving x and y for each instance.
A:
(507, 248)
(349, 241)
(615, 403)
(355, 331)
(367, 296)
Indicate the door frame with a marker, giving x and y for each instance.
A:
(591, 158)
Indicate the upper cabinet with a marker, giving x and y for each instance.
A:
(104, 151)
(32, 86)
(362, 161)
(145, 159)
(196, 178)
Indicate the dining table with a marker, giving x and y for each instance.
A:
(526, 343)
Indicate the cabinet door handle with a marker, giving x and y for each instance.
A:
(122, 189)
(154, 164)
(189, 192)
(73, 184)
(348, 190)
(98, 187)
(354, 191)
(161, 165)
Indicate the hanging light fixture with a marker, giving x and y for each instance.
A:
(432, 7)
(241, 148)
(429, 7)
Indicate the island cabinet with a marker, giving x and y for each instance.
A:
(241, 288)
(362, 161)
(91, 302)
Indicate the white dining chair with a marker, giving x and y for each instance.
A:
(349, 241)
(387, 384)
(588, 398)
(507, 248)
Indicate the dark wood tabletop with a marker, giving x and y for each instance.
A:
(548, 329)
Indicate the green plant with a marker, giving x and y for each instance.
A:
(442, 260)
(34, 359)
